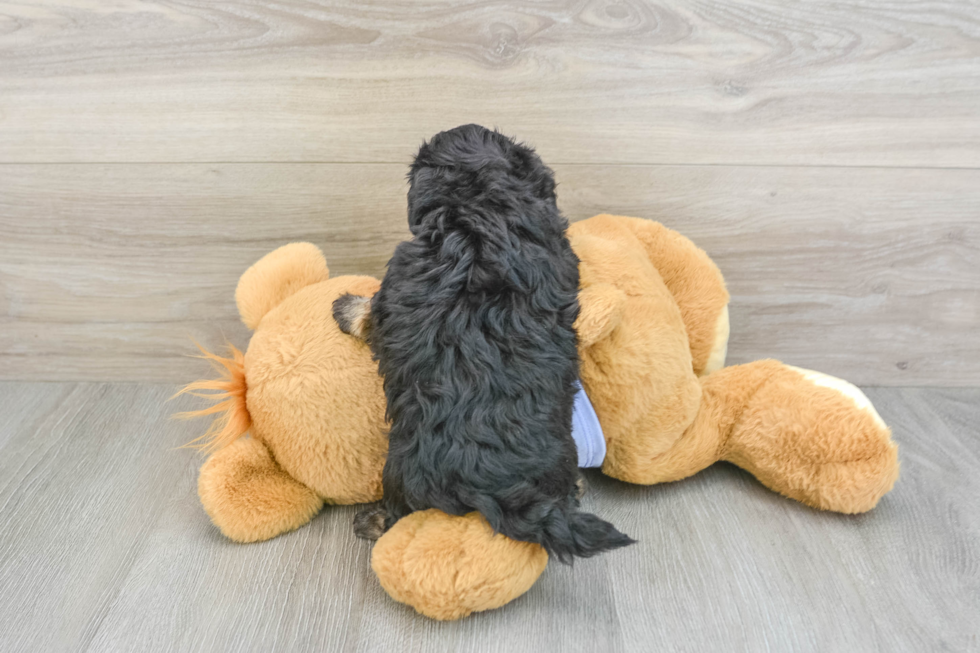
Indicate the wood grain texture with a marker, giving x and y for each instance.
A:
(107, 272)
(871, 275)
(79, 496)
(867, 82)
(106, 548)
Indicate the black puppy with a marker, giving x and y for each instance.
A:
(472, 331)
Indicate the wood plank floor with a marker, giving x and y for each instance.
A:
(105, 548)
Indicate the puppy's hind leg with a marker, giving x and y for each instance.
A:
(372, 522)
(369, 523)
(581, 486)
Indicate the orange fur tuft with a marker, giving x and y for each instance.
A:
(228, 391)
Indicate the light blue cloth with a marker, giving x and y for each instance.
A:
(587, 432)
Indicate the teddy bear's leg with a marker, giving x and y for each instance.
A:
(448, 567)
(814, 438)
(249, 497)
(806, 435)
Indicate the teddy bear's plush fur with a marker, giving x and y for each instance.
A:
(653, 330)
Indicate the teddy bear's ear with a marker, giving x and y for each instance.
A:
(600, 311)
(276, 276)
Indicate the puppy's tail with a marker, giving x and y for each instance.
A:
(570, 533)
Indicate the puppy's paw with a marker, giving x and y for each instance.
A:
(369, 523)
(581, 485)
(353, 315)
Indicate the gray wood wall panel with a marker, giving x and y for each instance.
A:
(866, 82)
(108, 271)
(825, 153)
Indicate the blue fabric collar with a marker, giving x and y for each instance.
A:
(586, 431)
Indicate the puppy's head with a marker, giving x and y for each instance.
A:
(472, 165)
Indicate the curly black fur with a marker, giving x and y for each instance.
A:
(472, 330)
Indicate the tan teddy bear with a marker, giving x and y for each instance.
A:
(653, 332)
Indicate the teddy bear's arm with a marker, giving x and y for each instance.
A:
(248, 495)
(695, 282)
(600, 310)
(697, 285)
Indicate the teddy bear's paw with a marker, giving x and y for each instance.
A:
(844, 388)
(448, 567)
(856, 460)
